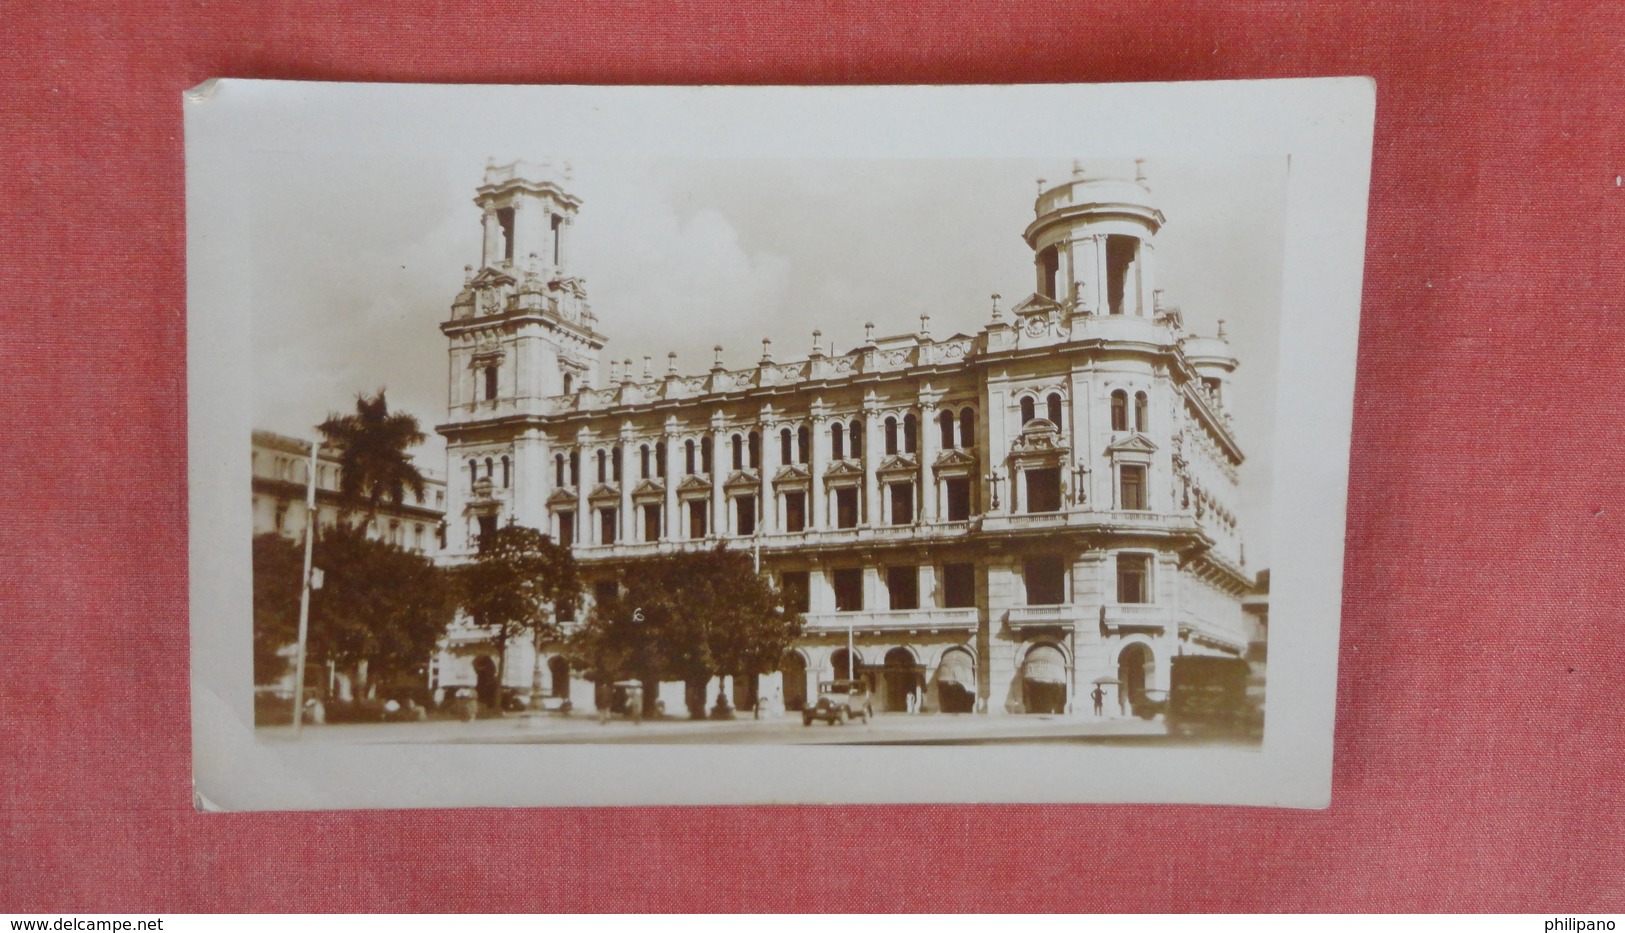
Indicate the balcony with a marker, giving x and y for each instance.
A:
(1132, 617)
(1063, 615)
(893, 620)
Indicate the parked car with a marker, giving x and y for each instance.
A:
(839, 701)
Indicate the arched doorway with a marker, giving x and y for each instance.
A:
(1134, 667)
(1043, 680)
(841, 665)
(794, 668)
(485, 680)
(903, 674)
(956, 682)
(558, 674)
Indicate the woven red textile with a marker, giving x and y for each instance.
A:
(1480, 747)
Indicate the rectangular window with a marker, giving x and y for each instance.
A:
(958, 492)
(846, 507)
(1046, 580)
(605, 591)
(488, 527)
(567, 528)
(902, 503)
(795, 511)
(959, 586)
(795, 584)
(1133, 578)
(848, 583)
(1132, 483)
(1044, 490)
(651, 522)
(696, 518)
(606, 526)
(903, 587)
(745, 508)
(490, 383)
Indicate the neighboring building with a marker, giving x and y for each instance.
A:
(1001, 518)
(280, 467)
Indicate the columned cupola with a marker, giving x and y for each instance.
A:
(1092, 243)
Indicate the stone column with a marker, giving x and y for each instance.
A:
(532, 478)
(673, 527)
(769, 520)
(818, 461)
(820, 596)
(628, 471)
(492, 252)
(928, 429)
(873, 513)
(872, 590)
(929, 597)
(1102, 296)
(719, 469)
(583, 483)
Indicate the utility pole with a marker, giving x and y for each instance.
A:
(304, 593)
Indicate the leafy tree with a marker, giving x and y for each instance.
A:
(689, 617)
(520, 583)
(277, 565)
(373, 461)
(378, 616)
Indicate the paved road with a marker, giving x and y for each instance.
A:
(894, 729)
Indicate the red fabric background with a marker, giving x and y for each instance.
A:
(1480, 746)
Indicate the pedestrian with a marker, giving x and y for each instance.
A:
(1099, 696)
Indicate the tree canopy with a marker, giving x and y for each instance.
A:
(373, 462)
(688, 617)
(521, 582)
(379, 614)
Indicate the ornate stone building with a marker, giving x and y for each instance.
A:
(996, 520)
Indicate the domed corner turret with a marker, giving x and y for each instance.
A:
(1213, 362)
(1092, 239)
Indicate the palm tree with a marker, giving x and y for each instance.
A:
(373, 460)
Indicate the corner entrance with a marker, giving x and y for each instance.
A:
(903, 675)
(1043, 680)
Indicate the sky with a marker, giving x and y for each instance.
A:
(357, 255)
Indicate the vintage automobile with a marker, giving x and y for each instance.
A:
(839, 701)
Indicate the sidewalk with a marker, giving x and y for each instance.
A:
(554, 727)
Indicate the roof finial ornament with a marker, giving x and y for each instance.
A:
(767, 350)
(717, 366)
(671, 363)
(647, 372)
(1077, 169)
(817, 351)
(925, 327)
(869, 333)
(1221, 328)
(997, 314)
(1139, 170)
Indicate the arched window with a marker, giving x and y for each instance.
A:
(891, 436)
(786, 454)
(473, 473)
(1054, 409)
(856, 432)
(911, 433)
(660, 459)
(967, 428)
(575, 468)
(739, 452)
(1119, 410)
(489, 467)
(490, 383)
(705, 454)
(946, 420)
(603, 466)
(615, 461)
(558, 469)
(837, 441)
(507, 479)
(803, 443)
(569, 383)
(1142, 407)
(1027, 413)
(643, 462)
(755, 450)
(688, 456)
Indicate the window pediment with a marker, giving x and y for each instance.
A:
(954, 461)
(694, 483)
(562, 496)
(648, 489)
(604, 491)
(902, 463)
(743, 478)
(1133, 444)
(792, 474)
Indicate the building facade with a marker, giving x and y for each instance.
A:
(280, 466)
(993, 522)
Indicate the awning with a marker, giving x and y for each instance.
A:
(956, 668)
(1044, 665)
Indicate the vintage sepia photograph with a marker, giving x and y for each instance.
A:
(802, 438)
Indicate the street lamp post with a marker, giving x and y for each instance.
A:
(304, 593)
